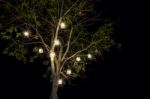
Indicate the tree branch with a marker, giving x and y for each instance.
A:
(60, 53)
(20, 25)
(62, 4)
(56, 64)
(68, 45)
(56, 34)
(41, 38)
(10, 5)
(82, 50)
(46, 46)
(15, 19)
(65, 76)
(33, 43)
(70, 8)
(49, 22)
(66, 59)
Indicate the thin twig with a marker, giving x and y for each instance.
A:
(33, 43)
(48, 21)
(20, 25)
(70, 8)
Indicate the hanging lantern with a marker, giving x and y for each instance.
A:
(78, 59)
(62, 25)
(68, 71)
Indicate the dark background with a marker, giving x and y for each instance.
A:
(110, 78)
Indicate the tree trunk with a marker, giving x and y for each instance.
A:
(54, 89)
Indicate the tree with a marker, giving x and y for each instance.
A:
(59, 32)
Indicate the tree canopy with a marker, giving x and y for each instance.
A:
(68, 21)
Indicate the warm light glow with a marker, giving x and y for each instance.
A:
(56, 42)
(78, 59)
(26, 33)
(60, 82)
(40, 50)
(62, 25)
(52, 55)
(68, 71)
(89, 56)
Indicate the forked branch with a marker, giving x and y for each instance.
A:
(80, 51)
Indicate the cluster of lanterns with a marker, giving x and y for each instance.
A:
(89, 56)
(60, 80)
(62, 26)
(52, 54)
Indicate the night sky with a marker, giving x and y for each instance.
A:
(103, 79)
